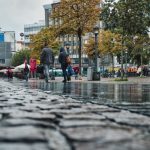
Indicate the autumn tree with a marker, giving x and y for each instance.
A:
(77, 17)
(129, 18)
(48, 35)
(89, 48)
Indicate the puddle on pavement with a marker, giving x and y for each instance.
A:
(103, 93)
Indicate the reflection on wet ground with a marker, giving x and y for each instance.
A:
(133, 97)
(112, 93)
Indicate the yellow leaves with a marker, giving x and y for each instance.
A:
(77, 14)
(108, 43)
(89, 48)
(48, 35)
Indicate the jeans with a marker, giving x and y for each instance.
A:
(33, 74)
(46, 72)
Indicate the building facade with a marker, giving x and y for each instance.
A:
(31, 29)
(7, 47)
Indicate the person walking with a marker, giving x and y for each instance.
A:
(26, 72)
(9, 73)
(47, 59)
(63, 61)
(33, 67)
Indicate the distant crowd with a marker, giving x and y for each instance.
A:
(130, 71)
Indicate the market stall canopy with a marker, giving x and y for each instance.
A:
(3, 70)
(20, 68)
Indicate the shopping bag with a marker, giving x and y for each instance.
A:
(70, 70)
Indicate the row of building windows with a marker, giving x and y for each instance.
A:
(32, 29)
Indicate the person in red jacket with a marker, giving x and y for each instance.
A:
(33, 67)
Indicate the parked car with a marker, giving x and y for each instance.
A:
(56, 72)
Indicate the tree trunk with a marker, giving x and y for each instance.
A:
(122, 57)
(79, 51)
(112, 57)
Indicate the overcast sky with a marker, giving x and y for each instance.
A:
(14, 14)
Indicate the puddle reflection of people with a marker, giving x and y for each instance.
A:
(33, 85)
(67, 88)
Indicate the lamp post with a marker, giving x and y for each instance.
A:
(96, 75)
(23, 42)
(96, 31)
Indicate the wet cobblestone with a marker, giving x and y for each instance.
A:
(31, 119)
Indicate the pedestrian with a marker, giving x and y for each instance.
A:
(33, 67)
(26, 72)
(46, 59)
(119, 73)
(63, 61)
(9, 73)
(76, 72)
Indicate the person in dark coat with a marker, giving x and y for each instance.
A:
(62, 60)
(47, 59)
(9, 73)
(26, 72)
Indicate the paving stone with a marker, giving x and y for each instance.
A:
(23, 146)
(56, 140)
(27, 122)
(32, 115)
(129, 118)
(3, 98)
(84, 116)
(21, 134)
(81, 123)
(68, 111)
(103, 133)
(121, 145)
(14, 103)
(28, 108)
(52, 106)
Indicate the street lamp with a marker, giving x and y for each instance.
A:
(96, 31)
(126, 54)
(96, 75)
(23, 42)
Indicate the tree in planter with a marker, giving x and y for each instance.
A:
(77, 17)
(19, 57)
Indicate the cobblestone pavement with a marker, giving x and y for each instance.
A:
(32, 119)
